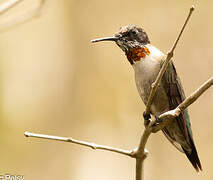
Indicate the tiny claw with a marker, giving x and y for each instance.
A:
(147, 118)
(158, 120)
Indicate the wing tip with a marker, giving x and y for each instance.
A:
(194, 159)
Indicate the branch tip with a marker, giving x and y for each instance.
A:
(165, 65)
(79, 142)
(192, 8)
(141, 153)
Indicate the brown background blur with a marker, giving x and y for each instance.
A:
(54, 81)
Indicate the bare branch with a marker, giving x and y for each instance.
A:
(165, 65)
(166, 118)
(83, 143)
(21, 18)
(184, 25)
(139, 166)
(141, 153)
(149, 129)
(170, 115)
(8, 5)
(193, 97)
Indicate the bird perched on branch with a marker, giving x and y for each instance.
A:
(147, 61)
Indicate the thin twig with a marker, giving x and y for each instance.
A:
(139, 154)
(8, 5)
(21, 18)
(148, 130)
(165, 65)
(83, 143)
(166, 118)
(193, 97)
(170, 115)
(184, 25)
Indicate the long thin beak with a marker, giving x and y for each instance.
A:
(105, 39)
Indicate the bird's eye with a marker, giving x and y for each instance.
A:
(134, 32)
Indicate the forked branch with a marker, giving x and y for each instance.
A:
(167, 116)
(23, 17)
(148, 129)
(140, 153)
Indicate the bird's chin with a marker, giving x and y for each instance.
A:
(122, 45)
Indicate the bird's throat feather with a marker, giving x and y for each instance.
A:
(136, 54)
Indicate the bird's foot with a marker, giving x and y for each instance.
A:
(157, 120)
(147, 118)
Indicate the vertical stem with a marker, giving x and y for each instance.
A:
(139, 169)
(141, 154)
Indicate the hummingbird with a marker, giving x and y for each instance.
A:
(147, 61)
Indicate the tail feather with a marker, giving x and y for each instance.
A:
(193, 157)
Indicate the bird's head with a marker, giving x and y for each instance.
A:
(131, 39)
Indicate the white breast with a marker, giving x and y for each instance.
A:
(146, 71)
(150, 63)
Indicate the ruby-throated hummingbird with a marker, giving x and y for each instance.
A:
(146, 61)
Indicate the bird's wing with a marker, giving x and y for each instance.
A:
(174, 90)
(176, 95)
(172, 141)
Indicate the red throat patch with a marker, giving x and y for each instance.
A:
(135, 54)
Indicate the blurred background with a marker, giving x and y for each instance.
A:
(54, 81)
